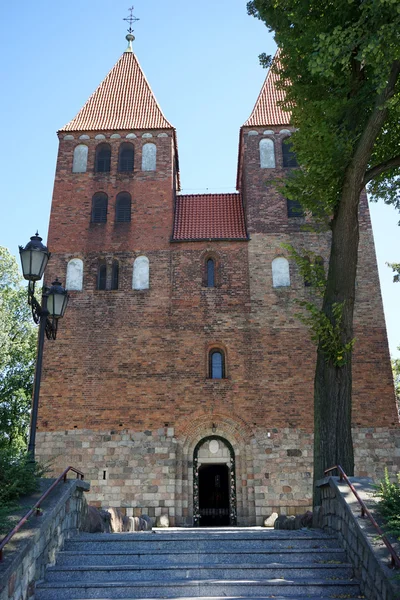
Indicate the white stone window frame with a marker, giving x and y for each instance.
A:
(74, 279)
(267, 153)
(149, 157)
(80, 158)
(280, 272)
(141, 273)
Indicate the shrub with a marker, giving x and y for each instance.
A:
(18, 477)
(389, 506)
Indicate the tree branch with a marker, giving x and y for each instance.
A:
(381, 168)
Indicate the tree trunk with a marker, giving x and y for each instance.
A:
(333, 385)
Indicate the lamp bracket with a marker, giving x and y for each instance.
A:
(39, 313)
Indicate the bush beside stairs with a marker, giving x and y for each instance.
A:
(201, 563)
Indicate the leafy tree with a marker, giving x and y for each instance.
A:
(339, 67)
(17, 355)
(396, 270)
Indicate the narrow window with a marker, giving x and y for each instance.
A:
(101, 276)
(307, 276)
(99, 208)
(216, 364)
(149, 157)
(141, 274)
(103, 158)
(79, 164)
(288, 154)
(294, 209)
(267, 154)
(115, 275)
(75, 274)
(210, 273)
(123, 208)
(126, 158)
(280, 272)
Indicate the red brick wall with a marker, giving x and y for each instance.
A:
(138, 359)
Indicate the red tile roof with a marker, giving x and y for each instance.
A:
(124, 100)
(266, 110)
(209, 216)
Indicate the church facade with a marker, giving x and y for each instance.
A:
(181, 382)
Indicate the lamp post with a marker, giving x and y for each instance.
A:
(34, 259)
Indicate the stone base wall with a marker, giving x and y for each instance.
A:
(35, 546)
(340, 516)
(151, 472)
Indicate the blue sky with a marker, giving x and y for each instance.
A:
(201, 60)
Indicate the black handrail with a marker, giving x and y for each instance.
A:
(36, 507)
(394, 558)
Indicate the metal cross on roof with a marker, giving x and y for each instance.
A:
(131, 19)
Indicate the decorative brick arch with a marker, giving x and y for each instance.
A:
(234, 430)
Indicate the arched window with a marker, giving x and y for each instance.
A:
(79, 164)
(74, 274)
(267, 154)
(141, 273)
(149, 157)
(101, 275)
(103, 158)
(216, 364)
(123, 208)
(210, 272)
(99, 208)
(115, 275)
(125, 158)
(280, 272)
(294, 209)
(288, 155)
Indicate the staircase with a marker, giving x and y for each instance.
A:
(201, 563)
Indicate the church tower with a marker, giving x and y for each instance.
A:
(181, 382)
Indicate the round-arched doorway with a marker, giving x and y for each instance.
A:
(214, 487)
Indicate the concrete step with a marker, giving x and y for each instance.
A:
(212, 534)
(149, 544)
(301, 588)
(116, 557)
(169, 573)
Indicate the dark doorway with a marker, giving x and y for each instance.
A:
(214, 495)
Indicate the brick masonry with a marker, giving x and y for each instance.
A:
(126, 394)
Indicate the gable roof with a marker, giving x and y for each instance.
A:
(124, 100)
(266, 110)
(209, 217)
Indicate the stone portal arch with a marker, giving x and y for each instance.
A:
(214, 452)
(233, 429)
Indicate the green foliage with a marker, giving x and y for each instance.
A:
(18, 477)
(396, 270)
(335, 61)
(311, 267)
(325, 332)
(18, 337)
(389, 505)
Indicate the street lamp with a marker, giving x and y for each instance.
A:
(34, 259)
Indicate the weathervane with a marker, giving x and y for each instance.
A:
(130, 37)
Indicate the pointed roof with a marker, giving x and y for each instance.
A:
(124, 100)
(266, 110)
(209, 217)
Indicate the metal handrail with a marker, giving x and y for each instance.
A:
(36, 507)
(394, 558)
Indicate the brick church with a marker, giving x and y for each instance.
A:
(181, 382)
